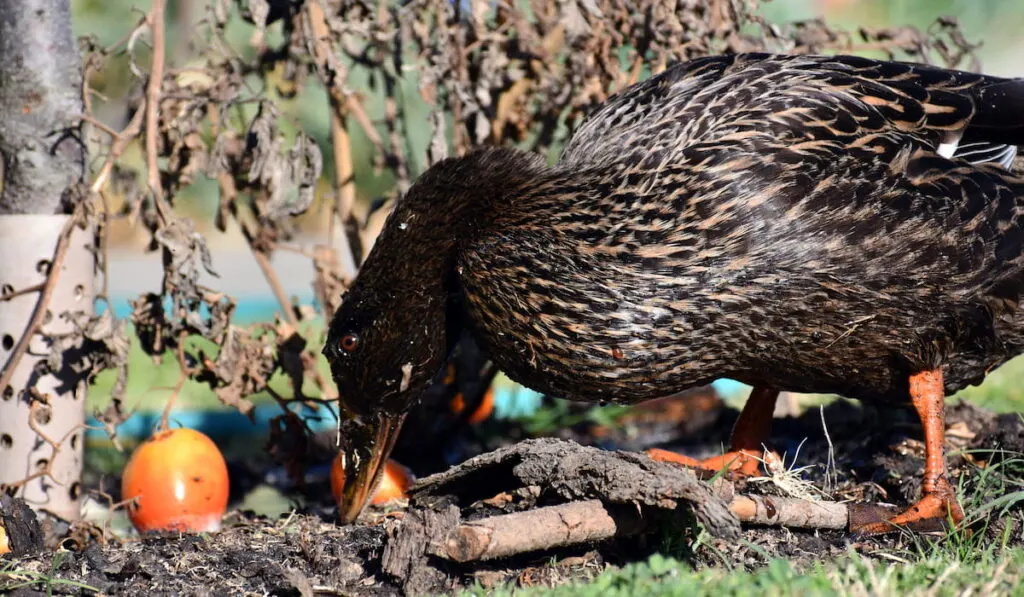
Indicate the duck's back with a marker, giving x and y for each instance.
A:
(802, 222)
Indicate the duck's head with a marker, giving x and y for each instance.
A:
(400, 319)
(386, 342)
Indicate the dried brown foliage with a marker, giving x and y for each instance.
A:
(522, 73)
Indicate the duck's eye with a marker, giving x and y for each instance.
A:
(349, 342)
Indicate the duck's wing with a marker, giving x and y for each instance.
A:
(840, 99)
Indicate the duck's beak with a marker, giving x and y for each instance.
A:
(368, 443)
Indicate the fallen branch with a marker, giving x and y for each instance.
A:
(790, 512)
(591, 521)
(540, 529)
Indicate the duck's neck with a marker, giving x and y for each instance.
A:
(412, 265)
(416, 250)
(451, 201)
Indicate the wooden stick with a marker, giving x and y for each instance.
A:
(344, 179)
(592, 520)
(537, 529)
(790, 512)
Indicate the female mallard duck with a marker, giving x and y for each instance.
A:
(804, 223)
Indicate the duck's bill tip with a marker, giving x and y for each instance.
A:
(367, 448)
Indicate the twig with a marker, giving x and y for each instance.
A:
(104, 248)
(355, 108)
(259, 254)
(274, 282)
(125, 137)
(21, 291)
(790, 512)
(100, 125)
(61, 251)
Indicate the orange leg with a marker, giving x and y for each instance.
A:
(748, 437)
(938, 500)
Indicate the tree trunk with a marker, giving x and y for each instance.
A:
(40, 107)
(43, 165)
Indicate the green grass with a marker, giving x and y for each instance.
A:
(1002, 390)
(992, 574)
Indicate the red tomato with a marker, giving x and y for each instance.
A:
(481, 413)
(178, 480)
(393, 485)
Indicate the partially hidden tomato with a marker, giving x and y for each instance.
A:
(177, 481)
(395, 483)
(482, 412)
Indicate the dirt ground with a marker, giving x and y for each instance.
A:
(393, 550)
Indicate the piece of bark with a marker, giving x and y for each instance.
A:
(410, 543)
(24, 535)
(539, 529)
(571, 472)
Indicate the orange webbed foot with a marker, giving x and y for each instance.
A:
(930, 513)
(745, 463)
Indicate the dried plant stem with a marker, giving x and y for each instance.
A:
(344, 184)
(344, 180)
(21, 291)
(120, 144)
(263, 261)
(259, 253)
(184, 373)
(156, 77)
(61, 251)
(355, 108)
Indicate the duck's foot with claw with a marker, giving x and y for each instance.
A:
(931, 513)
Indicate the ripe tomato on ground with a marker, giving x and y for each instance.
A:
(177, 480)
(393, 485)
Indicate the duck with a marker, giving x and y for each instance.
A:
(802, 223)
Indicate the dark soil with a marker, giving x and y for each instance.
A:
(394, 550)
